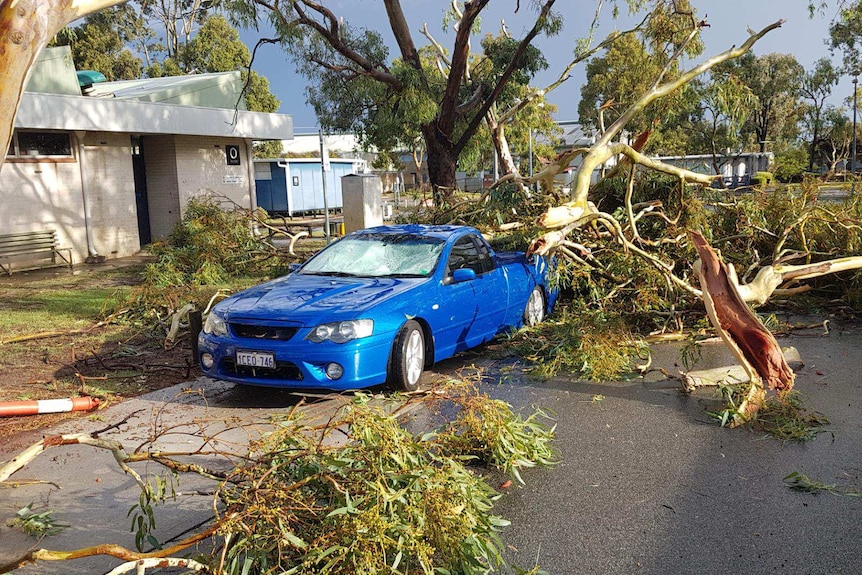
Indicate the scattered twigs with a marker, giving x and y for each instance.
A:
(111, 550)
(158, 563)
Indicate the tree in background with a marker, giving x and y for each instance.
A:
(845, 36)
(356, 85)
(836, 137)
(100, 43)
(817, 85)
(775, 80)
(725, 105)
(629, 67)
(178, 19)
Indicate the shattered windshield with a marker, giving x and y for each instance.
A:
(378, 255)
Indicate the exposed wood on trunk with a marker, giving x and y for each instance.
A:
(753, 345)
(728, 374)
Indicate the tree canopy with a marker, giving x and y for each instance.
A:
(355, 84)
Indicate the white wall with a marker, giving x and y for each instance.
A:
(40, 195)
(44, 195)
(202, 168)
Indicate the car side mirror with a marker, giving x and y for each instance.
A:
(293, 267)
(463, 275)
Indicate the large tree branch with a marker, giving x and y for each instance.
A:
(401, 31)
(479, 117)
(111, 550)
(331, 33)
(601, 152)
(457, 70)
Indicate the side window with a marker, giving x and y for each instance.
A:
(469, 252)
(486, 262)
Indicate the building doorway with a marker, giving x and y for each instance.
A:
(141, 201)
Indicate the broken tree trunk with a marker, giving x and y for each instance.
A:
(752, 344)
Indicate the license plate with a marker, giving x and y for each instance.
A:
(255, 359)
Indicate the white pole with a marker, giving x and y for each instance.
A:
(325, 199)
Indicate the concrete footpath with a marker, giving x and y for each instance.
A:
(647, 482)
(86, 490)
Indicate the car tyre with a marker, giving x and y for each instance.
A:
(534, 312)
(408, 357)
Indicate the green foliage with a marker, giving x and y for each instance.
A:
(489, 431)
(267, 150)
(762, 179)
(775, 80)
(378, 501)
(209, 246)
(212, 250)
(782, 417)
(845, 35)
(157, 491)
(36, 524)
(625, 71)
(801, 483)
(771, 224)
(582, 341)
(790, 163)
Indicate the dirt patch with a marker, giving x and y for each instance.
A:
(77, 356)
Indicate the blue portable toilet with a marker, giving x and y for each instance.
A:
(295, 185)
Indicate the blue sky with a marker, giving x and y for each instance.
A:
(729, 19)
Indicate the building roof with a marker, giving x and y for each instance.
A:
(194, 105)
(217, 90)
(75, 113)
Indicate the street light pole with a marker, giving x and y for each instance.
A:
(853, 148)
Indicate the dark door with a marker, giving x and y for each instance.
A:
(141, 203)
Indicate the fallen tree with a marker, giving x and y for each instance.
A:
(726, 300)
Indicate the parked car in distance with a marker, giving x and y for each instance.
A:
(378, 305)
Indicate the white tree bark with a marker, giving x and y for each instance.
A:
(26, 26)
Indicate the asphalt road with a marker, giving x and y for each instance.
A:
(647, 483)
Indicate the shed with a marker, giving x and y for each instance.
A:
(295, 185)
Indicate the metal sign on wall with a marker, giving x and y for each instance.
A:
(232, 153)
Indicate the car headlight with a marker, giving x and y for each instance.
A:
(215, 324)
(341, 331)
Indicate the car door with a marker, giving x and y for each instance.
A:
(490, 289)
(479, 303)
(458, 302)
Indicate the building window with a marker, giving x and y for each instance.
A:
(41, 145)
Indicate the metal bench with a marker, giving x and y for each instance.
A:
(41, 245)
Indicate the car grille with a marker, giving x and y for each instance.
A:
(252, 331)
(283, 370)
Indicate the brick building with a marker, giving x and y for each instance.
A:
(112, 170)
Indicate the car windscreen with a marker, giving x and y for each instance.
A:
(378, 255)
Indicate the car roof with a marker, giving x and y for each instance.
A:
(444, 232)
